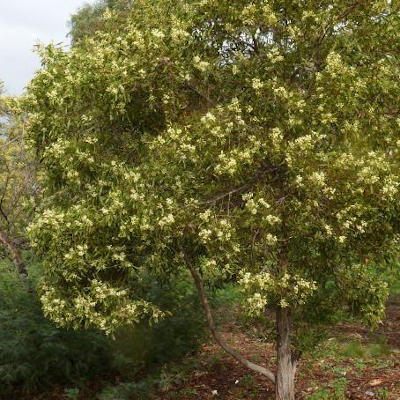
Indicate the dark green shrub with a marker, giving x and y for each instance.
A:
(176, 335)
(34, 353)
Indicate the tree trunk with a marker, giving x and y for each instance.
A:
(286, 362)
(14, 253)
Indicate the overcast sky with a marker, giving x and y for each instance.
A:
(22, 24)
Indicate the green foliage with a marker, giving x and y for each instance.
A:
(34, 353)
(353, 349)
(337, 391)
(365, 292)
(379, 350)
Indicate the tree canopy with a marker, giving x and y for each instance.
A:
(255, 142)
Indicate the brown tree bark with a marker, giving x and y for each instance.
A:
(286, 359)
(14, 253)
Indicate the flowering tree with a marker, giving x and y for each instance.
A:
(255, 142)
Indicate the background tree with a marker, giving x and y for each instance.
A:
(256, 142)
(17, 182)
(89, 18)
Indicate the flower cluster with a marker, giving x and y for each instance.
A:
(263, 289)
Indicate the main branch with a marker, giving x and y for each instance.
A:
(210, 320)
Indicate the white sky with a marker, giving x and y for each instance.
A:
(23, 23)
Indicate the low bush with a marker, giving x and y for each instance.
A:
(34, 353)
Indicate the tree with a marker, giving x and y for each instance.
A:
(89, 18)
(17, 182)
(251, 142)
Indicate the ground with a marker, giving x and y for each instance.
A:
(350, 363)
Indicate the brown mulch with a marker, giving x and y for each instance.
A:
(221, 377)
(226, 379)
